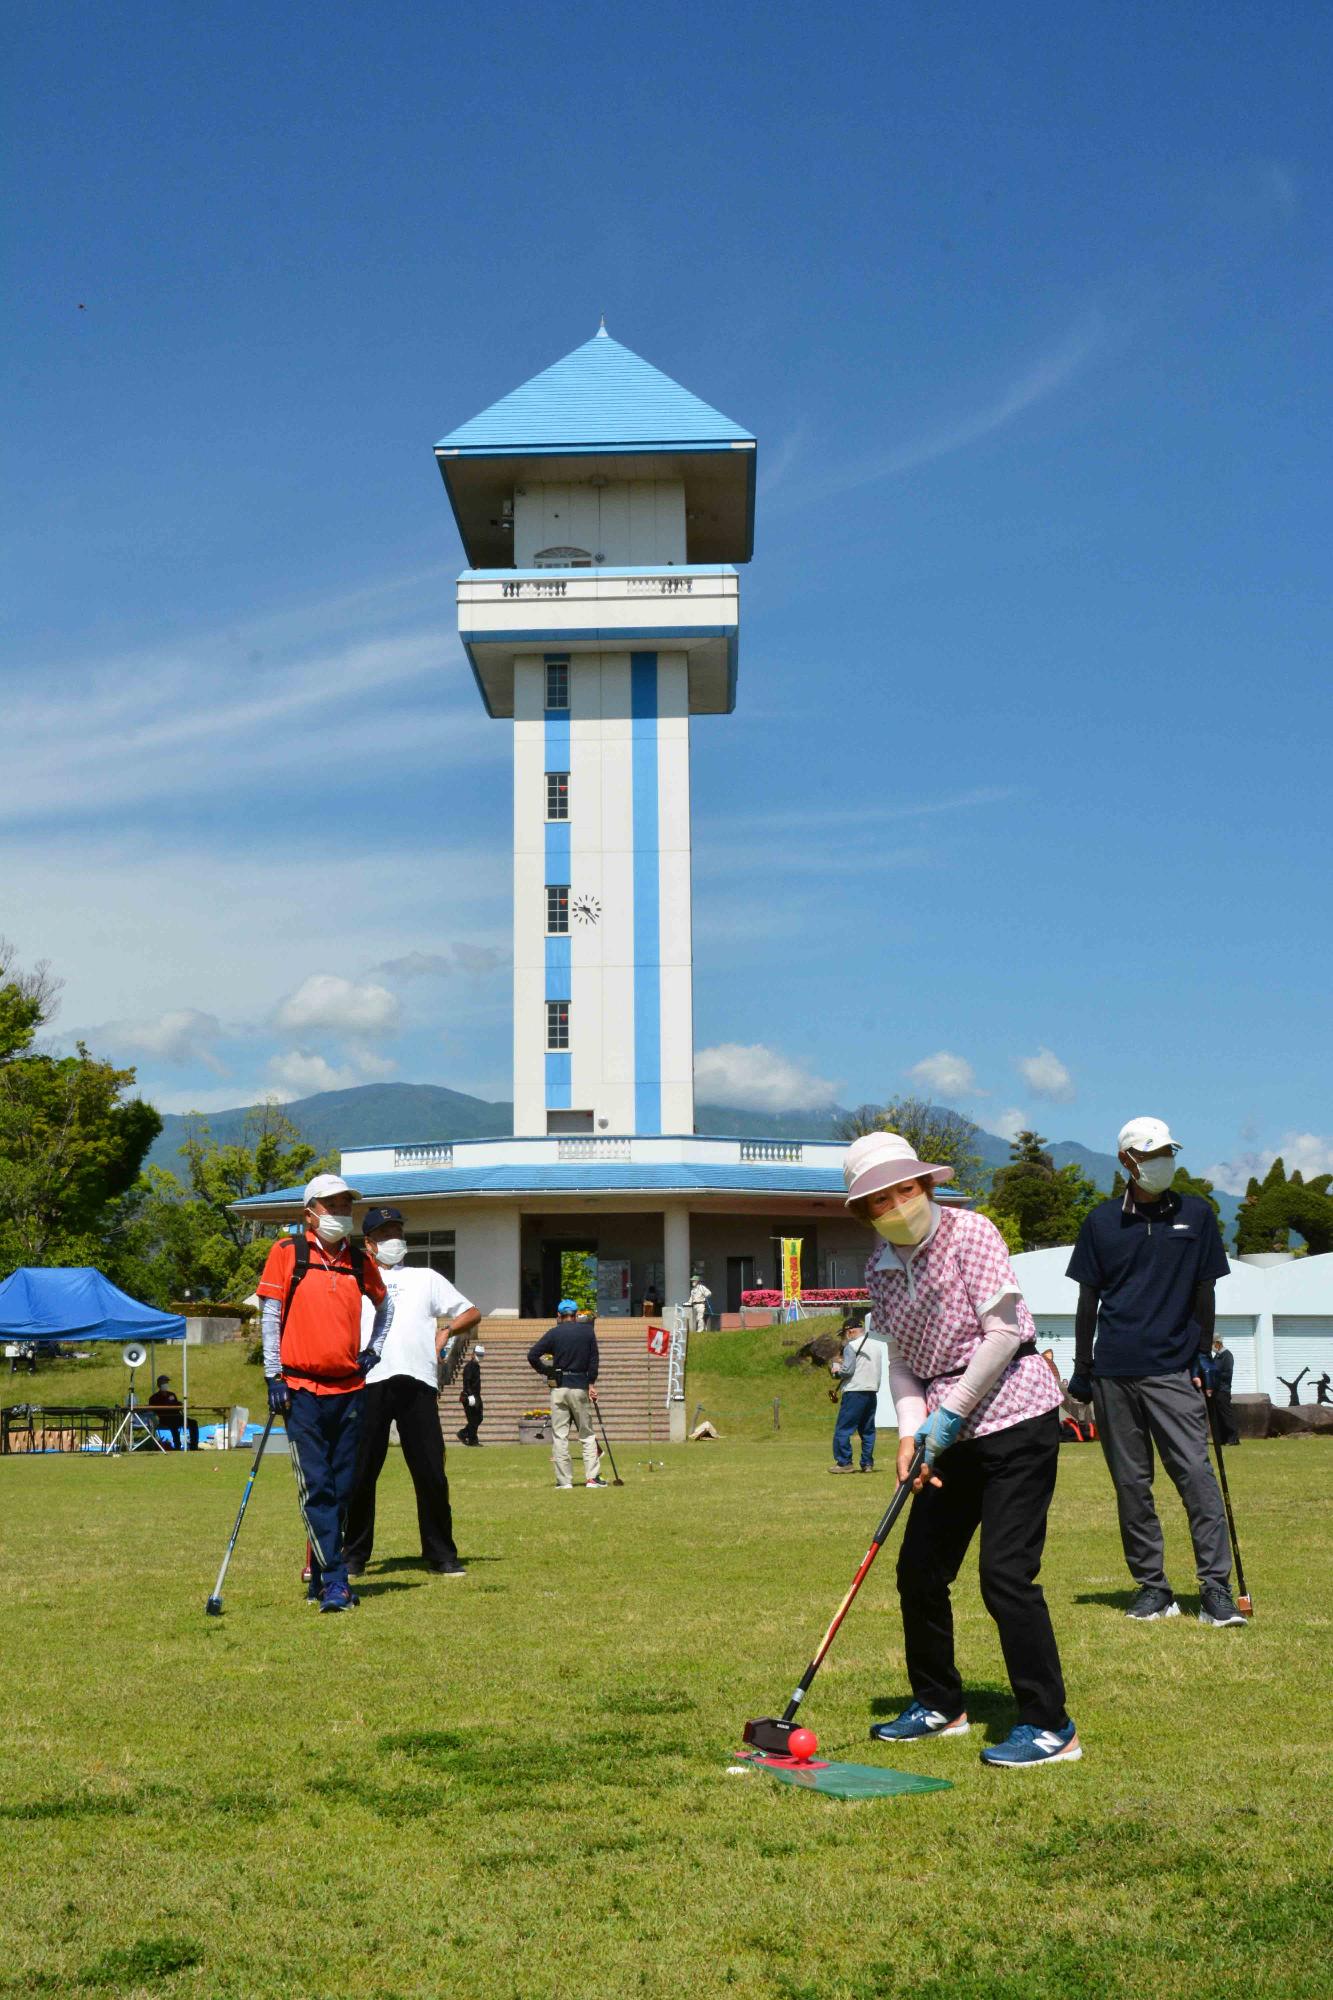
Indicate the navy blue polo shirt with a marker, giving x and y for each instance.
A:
(1145, 1265)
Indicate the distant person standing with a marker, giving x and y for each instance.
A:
(316, 1368)
(1147, 1267)
(168, 1406)
(1224, 1371)
(699, 1300)
(860, 1370)
(403, 1389)
(567, 1356)
(470, 1397)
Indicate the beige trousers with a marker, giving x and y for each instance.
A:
(572, 1408)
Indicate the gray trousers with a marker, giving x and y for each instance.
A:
(1133, 1414)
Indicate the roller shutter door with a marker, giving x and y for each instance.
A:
(1056, 1331)
(1236, 1331)
(1301, 1341)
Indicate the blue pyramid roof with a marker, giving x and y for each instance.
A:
(600, 397)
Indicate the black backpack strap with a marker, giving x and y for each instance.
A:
(357, 1254)
(300, 1265)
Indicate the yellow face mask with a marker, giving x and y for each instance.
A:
(906, 1224)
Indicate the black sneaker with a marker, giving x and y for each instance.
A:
(1217, 1606)
(356, 1569)
(449, 1567)
(1155, 1600)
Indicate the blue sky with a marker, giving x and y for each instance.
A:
(1030, 311)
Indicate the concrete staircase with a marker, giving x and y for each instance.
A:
(631, 1384)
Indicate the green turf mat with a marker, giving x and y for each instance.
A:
(846, 1781)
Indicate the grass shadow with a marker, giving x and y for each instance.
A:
(373, 1589)
(1118, 1600)
(392, 1563)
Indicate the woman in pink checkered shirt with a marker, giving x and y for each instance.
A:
(970, 1387)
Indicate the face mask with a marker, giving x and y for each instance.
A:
(333, 1229)
(391, 1251)
(1155, 1176)
(907, 1223)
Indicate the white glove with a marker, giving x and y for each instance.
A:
(471, 1402)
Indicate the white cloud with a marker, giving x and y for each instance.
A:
(1306, 1152)
(1046, 376)
(474, 961)
(182, 1035)
(342, 1006)
(1008, 1124)
(301, 1073)
(755, 1078)
(1045, 1074)
(218, 709)
(947, 1075)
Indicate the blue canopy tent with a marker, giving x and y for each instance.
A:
(40, 1304)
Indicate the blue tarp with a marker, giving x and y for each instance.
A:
(78, 1304)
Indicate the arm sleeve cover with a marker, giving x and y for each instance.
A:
(1000, 1340)
(1085, 1326)
(908, 1392)
(380, 1328)
(1205, 1314)
(271, 1334)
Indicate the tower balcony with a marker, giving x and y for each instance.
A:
(691, 608)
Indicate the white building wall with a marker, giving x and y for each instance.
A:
(529, 898)
(486, 1254)
(624, 521)
(675, 893)
(605, 744)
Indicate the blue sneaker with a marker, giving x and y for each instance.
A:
(917, 1721)
(1026, 1744)
(338, 1597)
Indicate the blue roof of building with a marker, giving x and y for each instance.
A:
(607, 1177)
(601, 397)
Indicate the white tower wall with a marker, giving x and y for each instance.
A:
(624, 966)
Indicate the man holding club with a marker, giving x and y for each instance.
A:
(1147, 1267)
(402, 1388)
(567, 1356)
(312, 1287)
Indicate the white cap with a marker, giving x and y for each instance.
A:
(479, 1349)
(1146, 1135)
(324, 1185)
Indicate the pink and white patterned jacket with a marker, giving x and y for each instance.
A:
(930, 1301)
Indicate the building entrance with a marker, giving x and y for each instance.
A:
(740, 1278)
(552, 1287)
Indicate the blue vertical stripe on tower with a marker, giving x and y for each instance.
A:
(647, 895)
(559, 1064)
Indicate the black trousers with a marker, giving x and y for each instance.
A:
(1226, 1419)
(1003, 1484)
(413, 1407)
(472, 1422)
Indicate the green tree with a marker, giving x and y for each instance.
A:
(1006, 1224)
(944, 1138)
(1277, 1205)
(1182, 1183)
(578, 1278)
(1046, 1203)
(182, 1235)
(71, 1140)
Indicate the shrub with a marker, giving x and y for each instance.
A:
(834, 1295)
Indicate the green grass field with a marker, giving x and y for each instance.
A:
(515, 1785)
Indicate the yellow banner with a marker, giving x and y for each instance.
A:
(791, 1269)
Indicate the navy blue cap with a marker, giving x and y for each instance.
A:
(376, 1218)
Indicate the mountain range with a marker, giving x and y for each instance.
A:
(411, 1113)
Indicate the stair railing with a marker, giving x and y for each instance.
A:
(680, 1337)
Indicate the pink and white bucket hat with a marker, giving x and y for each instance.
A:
(882, 1159)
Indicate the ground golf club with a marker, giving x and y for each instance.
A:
(1244, 1602)
(616, 1479)
(773, 1733)
(213, 1606)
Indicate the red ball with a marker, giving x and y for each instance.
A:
(802, 1745)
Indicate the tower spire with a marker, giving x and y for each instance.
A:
(602, 333)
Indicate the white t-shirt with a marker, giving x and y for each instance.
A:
(419, 1299)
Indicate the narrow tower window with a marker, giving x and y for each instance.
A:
(557, 795)
(557, 683)
(557, 1024)
(557, 908)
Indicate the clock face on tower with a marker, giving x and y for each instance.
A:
(586, 909)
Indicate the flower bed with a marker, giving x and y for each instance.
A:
(842, 1295)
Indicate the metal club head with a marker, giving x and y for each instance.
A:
(770, 1734)
(213, 1607)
